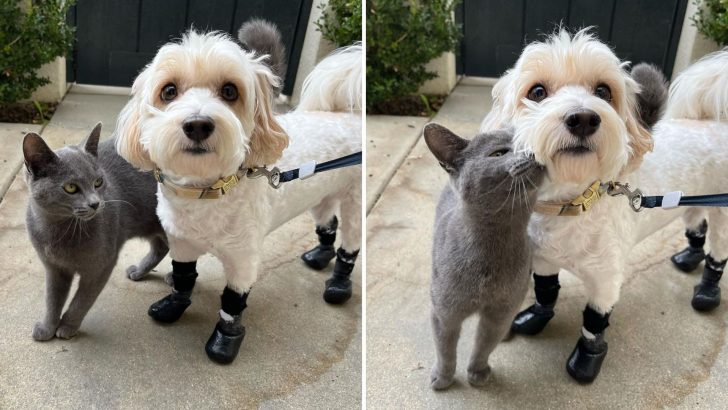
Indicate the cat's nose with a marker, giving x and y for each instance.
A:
(94, 205)
(582, 123)
(198, 127)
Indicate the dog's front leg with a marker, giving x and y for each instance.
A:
(184, 274)
(603, 284)
(534, 318)
(241, 265)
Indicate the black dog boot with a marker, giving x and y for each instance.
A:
(534, 319)
(320, 256)
(170, 308)
(338, 287)
(225, 341)
(586, 360)
(689, 258)
(706, 296)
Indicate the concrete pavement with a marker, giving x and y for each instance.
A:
(662, 354)
(299, 352)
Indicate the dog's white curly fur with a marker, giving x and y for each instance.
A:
(690, 154)
(149, 134)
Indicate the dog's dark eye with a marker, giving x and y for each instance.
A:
(229, 92)
(169, 92)
(499, 153)
(537, 93)
(602, 91)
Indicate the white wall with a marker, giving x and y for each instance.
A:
(692, 45)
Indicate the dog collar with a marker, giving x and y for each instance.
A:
(577, 206)
(215, 191)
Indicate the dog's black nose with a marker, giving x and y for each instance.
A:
(198, 127)
(582, 123)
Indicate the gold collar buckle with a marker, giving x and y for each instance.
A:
(224, 184)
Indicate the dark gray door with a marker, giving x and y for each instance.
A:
(495, 31)
(117, 38)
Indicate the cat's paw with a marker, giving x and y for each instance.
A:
(41, 332)
(66, 331)
(478, 377)
(134, 273)
(438, 381)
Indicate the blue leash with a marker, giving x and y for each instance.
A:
(347, 161)
(697, 200)
(276, 177)
(638, 201)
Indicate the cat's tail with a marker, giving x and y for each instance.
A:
(701, 91)
(335, 84)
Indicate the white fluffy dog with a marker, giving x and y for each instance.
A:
(574, 107)
(201, 116)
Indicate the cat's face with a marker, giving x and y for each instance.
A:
(67, 183)
(485, 171)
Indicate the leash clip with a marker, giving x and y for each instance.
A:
(634, 197)
(273, 176)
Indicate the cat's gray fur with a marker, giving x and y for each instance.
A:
(71, 237)
(480, 254)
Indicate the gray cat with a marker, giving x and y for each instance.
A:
(85, 203)
(480, 254)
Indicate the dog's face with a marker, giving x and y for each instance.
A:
(573, 106)
(200, 109)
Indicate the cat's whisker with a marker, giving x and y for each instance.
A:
(505, 201)
(120, 200)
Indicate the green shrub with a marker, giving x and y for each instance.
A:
(340, 22)
(402, 36)
(712, 19)
(29, 39)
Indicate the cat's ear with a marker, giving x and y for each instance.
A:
(38, 155)
(91, 143)
(444, 145)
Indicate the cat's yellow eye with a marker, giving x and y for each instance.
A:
(98, 182)
(70, 188)
(498, 153)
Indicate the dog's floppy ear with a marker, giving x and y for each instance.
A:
(128, 127)
(444, 145)
(504, 100)
(268, 139)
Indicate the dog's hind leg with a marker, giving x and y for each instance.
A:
(326, 225)
(706, 294)
(184, 274)
(696, 227)
(534, 318)
(338, 287)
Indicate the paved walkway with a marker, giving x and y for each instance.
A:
(299, 352)
(661, 352)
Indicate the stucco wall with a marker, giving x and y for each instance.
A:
(693, 45)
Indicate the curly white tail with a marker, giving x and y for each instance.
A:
(701, 91)
(335, 84)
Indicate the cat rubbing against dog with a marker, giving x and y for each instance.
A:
(480, 253)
